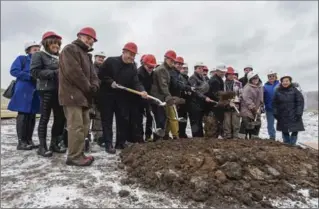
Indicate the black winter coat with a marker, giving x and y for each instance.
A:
(114, 69)
(145, 78)
(288, 103)
(44, 68)
(216, 84)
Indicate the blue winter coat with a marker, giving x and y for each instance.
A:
(269, 91)
(25, 98)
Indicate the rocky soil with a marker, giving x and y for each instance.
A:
(223, 173)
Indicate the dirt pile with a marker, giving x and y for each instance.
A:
(223, 172)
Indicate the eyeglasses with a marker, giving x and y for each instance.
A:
(271, 76)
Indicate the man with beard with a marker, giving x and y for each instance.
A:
(95, 113)
(145, 73)
(116, 71)
(77, 83)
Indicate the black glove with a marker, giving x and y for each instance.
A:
(276, 117)
(298, 117)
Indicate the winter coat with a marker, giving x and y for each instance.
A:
(244, 80)
(44, 68)
(25, 97)
(177, 84)
(76, 75)
(114, 69)
(233, 86)
(252, 98)
(96, 68)
(287, 104)
(161, 82)
(216, 84)
(269, 90)
(197, 100)
(145, 78)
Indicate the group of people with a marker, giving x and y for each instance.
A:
(84, 95)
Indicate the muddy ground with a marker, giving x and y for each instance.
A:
(224, 173)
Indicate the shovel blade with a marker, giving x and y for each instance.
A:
(159, 132)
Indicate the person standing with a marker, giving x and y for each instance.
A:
(288, 107)
(244, 80)
(205, 73)
(269, 90)
(44, 68)
(25, 100)
(78, 83)
(115, 71)
(145, 73)
(99, 58)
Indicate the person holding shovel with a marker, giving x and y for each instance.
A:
(252, 101)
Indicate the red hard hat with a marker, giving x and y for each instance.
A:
(150, 60)
(142, 58)
(130, 46)
(170, 54)
(205, 68)
(180, 60)
(230, 70)
(50, 34)
(89, 32)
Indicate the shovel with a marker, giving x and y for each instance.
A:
(232, 104)
(255, 122)
(182, 120)
(159, 102)
(158, 131)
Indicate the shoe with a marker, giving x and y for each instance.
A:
(167, 137)
(90, 157)
(44, 152)
(183, 136)
(54, 147)
(149, 139)
(23, 146)
(33, 146)
(81, 162)
(109, 149)
(176, 137)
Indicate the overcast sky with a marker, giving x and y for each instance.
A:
(282, 36)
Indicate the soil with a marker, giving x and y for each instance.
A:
(223, 173)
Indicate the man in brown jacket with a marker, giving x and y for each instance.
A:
(78, 83)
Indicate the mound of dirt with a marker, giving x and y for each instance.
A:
(223, 172)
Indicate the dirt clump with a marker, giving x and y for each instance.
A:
(222, 173)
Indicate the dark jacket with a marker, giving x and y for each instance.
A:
(244, 80)
(96, 67)
(288, 106)
(197, 100)
(216, 84)
(145, 78)
(76, 75)
(44, 68)
(269, 91)
(161, 82)
(25, 97)
(114, 69)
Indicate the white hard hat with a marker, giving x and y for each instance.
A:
(251, 74)
(271, 72)
(199, 64)
(101, 54)
(29, 44)
(221, 67)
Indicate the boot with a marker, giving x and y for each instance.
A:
(100, 142)
(87, 145)
(176, 137)
(167, 137)
(65, 138)
(82, 161)
(54, 147)
(109, 149)
(90, 157)
(43, 149)
(120, 146)
(286, 138)
(22, 145)
(293, 140)
(30, 129)
(148, 139)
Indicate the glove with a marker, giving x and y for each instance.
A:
(114, 85)
(262, 109)
(276, 117)
(174, 100)
(179, 101)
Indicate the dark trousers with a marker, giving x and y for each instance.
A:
(49, 102)
(196, 120)
(160, 117)
(121, 108)
(182, 113)
(144, 110)
(25, 123)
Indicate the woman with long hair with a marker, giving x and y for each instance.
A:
(44, 68)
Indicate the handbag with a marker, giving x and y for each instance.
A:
(8, 93)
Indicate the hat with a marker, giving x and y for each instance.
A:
(199, 64)
(221, 67)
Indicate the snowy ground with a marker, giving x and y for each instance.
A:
(30, 181)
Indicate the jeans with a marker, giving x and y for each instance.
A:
(290, 138)
(271, 124)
